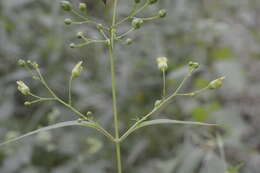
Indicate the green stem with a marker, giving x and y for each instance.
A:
(70, 84)
(126, 33)
(164, 85)
(151, 18)
(113, 81)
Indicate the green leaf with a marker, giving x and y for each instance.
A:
(169, 121)
(51, 127)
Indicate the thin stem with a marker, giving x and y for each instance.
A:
(89, 41)
(35, 96)
(164, 85)
(194, 92)
(70, 84)
(125, 34)
(42, 100)
(151, 18)
(113, 81)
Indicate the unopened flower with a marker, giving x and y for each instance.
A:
(68, 21)
(65, 5)
(137, 22)
(80, 35)
(21, 62)
(128, 41)
(217, 83)
(76, 71)
(23, 88)
(72, 45)
(83, 6)
(162, 63)
(162, 13)
(193, 65)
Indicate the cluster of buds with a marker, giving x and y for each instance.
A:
(162, 63)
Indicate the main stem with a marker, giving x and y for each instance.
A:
(113, 80)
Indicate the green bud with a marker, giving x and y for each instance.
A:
(108, 42)
(137, 22)
(157, 103)
(100, 26)
(27, 103)
(217, 83)
(65, 5)
(193, 65)
(80, 35)
(152, 1)
(89, 113)
(21, 62)
(76, 71)
(83, 6)
(23, 88)
(128, 41)
(68, 21)
(72, 45)
(137, 1)
(162, 63)
(162, 13)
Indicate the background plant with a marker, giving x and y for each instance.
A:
(187, 52)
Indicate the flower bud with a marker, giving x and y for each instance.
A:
(89, 113)
(83, 6)
(217, 83)
(76, 71)
(65, 5)
(72, 45)
(193, 65)
(162, 63)
(137, 1)
(100, 26)
(21, 62)
(23, 88)
(157, 103)
(152, 1)
(137, 22)
(128, 41)
(162, 13)
(68, 21)
(27, 103)
(80, 35)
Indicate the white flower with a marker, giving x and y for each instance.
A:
(162, 63)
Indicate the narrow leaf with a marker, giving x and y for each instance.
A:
(55, 126)
(169, 121)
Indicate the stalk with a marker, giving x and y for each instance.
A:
(113, 81)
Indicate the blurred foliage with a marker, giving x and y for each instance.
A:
(222, 35)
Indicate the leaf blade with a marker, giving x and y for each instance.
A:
(169, 121)
(47, 128)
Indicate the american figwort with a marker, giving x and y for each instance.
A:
(110, 38)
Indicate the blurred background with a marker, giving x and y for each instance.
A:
(222, 35)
